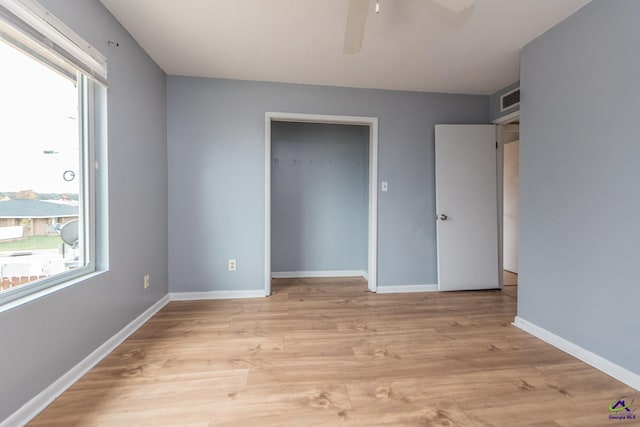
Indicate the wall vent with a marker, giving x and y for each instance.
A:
(510, 99)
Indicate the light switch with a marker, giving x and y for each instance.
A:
(385, 186)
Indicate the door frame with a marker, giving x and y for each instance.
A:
(372, 123)
(500, 123)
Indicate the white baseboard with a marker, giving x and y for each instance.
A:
(618, 372)
(192, 296)
(37, 404)
(406, 288)
(321, 273)
(365, 275)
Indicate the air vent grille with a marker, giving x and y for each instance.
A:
(510, 99)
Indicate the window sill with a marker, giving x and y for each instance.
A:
(51, 289)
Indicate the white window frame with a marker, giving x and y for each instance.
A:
(51, 36)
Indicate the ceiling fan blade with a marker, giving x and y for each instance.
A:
(455, 6)
(354, 29)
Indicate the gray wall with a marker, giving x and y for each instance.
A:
(494, 103)
(216, 174)
(579, 177)
(319, 197)
(43, 339)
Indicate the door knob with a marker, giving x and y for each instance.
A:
(442, 217)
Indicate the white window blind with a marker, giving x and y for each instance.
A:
(31, 28)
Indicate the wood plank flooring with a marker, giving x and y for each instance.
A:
(325, 352)
(509, 278)
(510, 283)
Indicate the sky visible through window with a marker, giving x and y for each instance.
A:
(39, 137)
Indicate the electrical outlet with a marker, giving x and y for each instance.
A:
(232, 265)
(146, 281)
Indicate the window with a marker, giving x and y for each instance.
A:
(47, 201)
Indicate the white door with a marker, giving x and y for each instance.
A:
(510, 206)
(466, 207)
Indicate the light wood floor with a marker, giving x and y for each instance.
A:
(510, 283)
(325, 352)
(509, 278)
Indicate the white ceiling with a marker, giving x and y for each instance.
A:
(411, 45)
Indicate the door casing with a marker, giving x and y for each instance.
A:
(372, 123)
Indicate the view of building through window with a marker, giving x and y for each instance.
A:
(40, 174)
